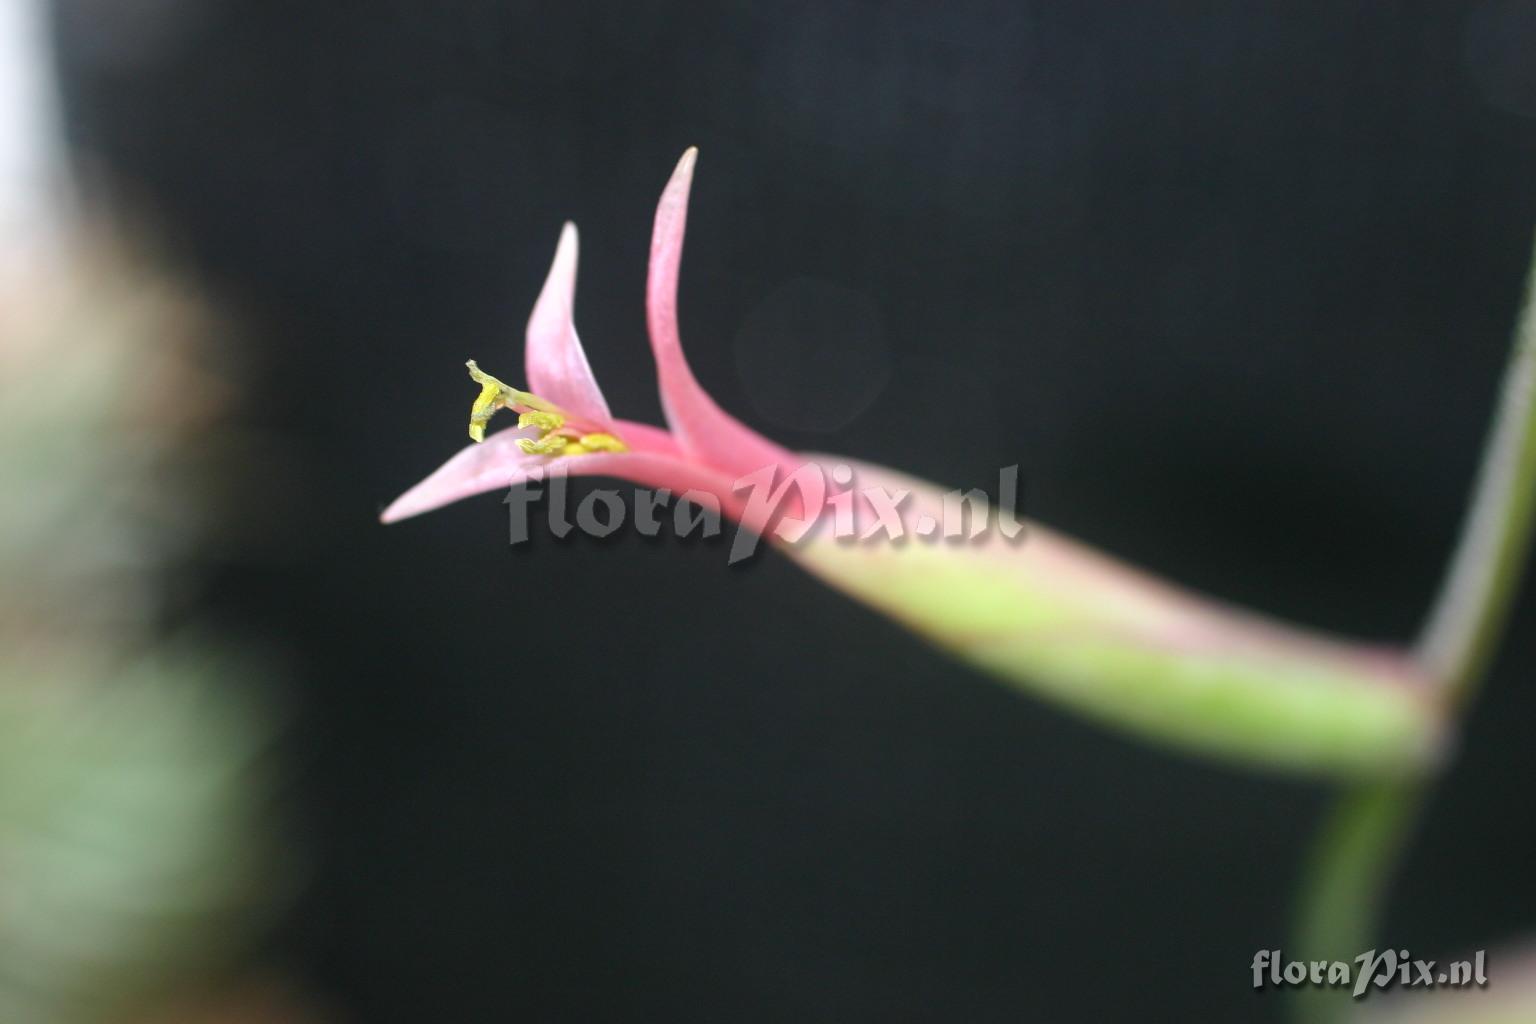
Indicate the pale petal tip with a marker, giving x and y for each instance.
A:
(415, 501)
(550, 319)
(671, 212)
(684, 169)
(402, 507)
(562, 269)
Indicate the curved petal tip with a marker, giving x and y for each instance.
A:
(685, 163)
(556, 365)
(702, 427)
(493, 465)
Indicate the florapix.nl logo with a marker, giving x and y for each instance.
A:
(816, 500)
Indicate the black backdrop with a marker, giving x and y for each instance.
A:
(1231, 282)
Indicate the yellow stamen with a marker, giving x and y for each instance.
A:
(544, 422)
(494, 395)
(549, 444)
(601, 443)
(485, 407)
(545, 417)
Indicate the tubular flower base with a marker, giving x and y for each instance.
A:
(1041, 612)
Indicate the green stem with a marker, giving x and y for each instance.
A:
(1362, 840)
(1479, 589)
(1345, 884)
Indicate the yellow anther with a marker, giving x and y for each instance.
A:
(564, 444)
(555, 438)
(544, 422)
(602, 443)
(549, 444)
(494, 395)
(484, 408)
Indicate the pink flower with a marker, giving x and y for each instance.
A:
(564, 421)
(1050, 616)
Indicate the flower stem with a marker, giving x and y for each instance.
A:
(1475, 600)
(1345, 883)
(1363, 837)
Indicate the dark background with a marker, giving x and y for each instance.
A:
(1231, 282)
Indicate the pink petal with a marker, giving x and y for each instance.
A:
(557, 367)
(652, 461)
(702, 428)
(489, 466)
(643, 437)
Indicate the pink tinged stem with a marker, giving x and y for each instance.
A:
(557, 367)
(702, 428)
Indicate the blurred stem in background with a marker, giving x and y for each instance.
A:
(1359, 847)
(138, 855)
